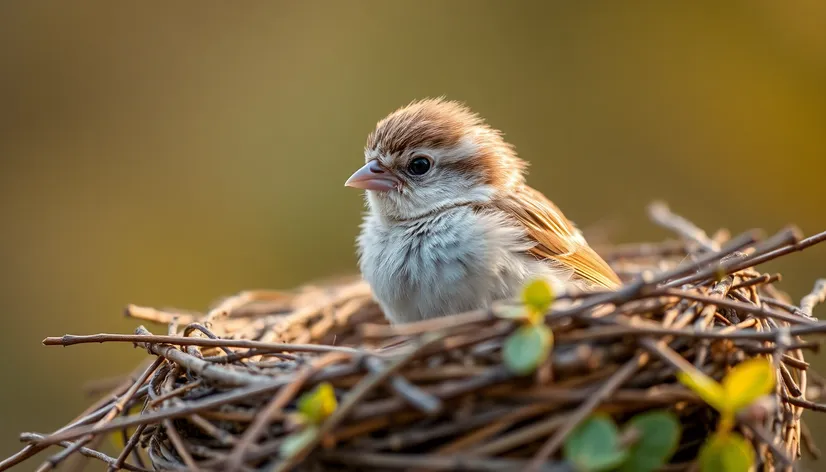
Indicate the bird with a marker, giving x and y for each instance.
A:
(451, 225)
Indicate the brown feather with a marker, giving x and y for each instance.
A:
(556, 237)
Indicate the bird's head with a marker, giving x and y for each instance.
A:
(434, 154)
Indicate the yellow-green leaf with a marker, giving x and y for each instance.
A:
(527, 347)
(747, 382)
(318, 404)
(707, 388)
(726, 453)
(538, 295)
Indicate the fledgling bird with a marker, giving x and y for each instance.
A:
(452, 226)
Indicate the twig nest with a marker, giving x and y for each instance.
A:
(697, 359)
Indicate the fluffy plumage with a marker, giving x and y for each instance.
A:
(466, 232)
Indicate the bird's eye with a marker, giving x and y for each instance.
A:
(419, 166)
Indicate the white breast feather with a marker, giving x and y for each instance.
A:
(457, 261)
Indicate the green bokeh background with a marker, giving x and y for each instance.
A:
(170, 153)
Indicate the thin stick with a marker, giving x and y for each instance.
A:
(70, 339)
(817, 295)
(91, 453)
(415, 396)
(128, 448)
(763, 279)
(93, 413)
(200, 366)
(739, 306)
(158, 316)
(350, 401)
(408, 461)
(156, 416)
(263, 418)
(554, 442)
(116, 409)
(660, 213)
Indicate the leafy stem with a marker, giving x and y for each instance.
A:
(530, 345)
(726, 450)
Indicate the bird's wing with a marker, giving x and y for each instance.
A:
(556, 238)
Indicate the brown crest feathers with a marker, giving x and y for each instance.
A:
(432, 122)
(439, 123)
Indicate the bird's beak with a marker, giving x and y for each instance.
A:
(373, 177)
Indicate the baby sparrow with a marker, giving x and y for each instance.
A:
(451, 225)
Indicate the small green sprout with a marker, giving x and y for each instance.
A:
(658, 435)
(645, 443)
(317, 405)
(313, 408)
(537, 297)
(726, 450)
(594, 446)
(529, 346)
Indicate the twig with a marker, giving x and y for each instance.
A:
(522, 436)
(762, 279)
(739, 306)
(263, 418)
(156, 416)
(91, 453)
(178, 443)
(157, 316)
(174, 393)
(769, 441)
(93, 413)
(809, 405)
(554, 442)
(788, 238)
(128, 448)
(350, 401)
(69, 340)
(454, 463)
(415, 396)
(817, 295)
(206, 369)
(114, 411)
(661, 214)
(790, 246)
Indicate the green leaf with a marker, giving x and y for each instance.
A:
(747, 382)
(726, 453)
(538, 295)
(296, 441)
(658, 437)
(593, 446)
(527, 347)
(318, 404)
(707, 388)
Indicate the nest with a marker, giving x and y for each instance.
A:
(219, 390)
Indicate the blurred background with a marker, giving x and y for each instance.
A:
(171, 154)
